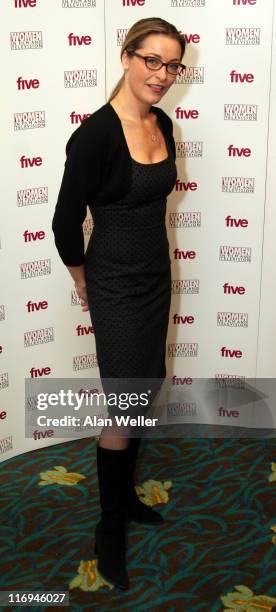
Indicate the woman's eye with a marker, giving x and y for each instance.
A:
(173, 66)
(153, 61)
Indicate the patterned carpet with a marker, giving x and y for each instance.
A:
(215, 551)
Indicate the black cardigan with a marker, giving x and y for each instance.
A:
(98, 165)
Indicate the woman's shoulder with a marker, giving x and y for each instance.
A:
(163, 117)
(100, 119)
(95, 128)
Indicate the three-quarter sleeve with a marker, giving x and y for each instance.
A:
(79, 183)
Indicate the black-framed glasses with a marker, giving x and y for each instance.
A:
(154, 63)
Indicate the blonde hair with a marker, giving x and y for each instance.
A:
(138, 32)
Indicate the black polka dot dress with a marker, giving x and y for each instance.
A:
(128, 275)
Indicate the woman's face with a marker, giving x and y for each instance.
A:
(141, 79)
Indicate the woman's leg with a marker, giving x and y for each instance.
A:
(111, 438)
(110, 534)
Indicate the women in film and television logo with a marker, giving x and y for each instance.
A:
(26, 40)
(29, 120)
(31, 269)
(240, 112)
(193, 75)
(237, 184)
(75, 299)
(32, 195)
(4, 380)
(243, 36)
(38, 336)
(189, 148)
(80, 78)
(229, 380)
(235, 253)
(187, 3)
(185, 219)
(78, 3)
(183, 349)
(6, 445)
(232, 319)
(84, 362)
(185, 285)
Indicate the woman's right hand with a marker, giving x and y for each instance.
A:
(82, 293)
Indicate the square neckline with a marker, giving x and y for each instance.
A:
(151, 163)
(132, 158)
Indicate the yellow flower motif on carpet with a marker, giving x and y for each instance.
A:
(59, 475)
(244, 600)
(272, 476)
(88, 578)
(154, 492)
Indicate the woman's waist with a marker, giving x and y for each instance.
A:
(107, 273)
(124, 251)
(144, 216)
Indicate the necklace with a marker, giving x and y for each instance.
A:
(154, 137)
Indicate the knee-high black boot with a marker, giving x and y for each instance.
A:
(110, 533)
(136, 510)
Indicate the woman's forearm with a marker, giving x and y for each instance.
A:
(77, 273)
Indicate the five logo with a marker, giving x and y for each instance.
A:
(24, 3)
(233, 222)
(75, 40)
(231, 289)
(38, 372)
(182, 113)
(35, 306)
(25, 84)
(29, 236)
(133, 2)
(184, 254)
(235, 151)
(244, 2)
(82, 330)
(78, 118)
(177, 319)
(238, 77)
(190, 186)
(29, 162)
(231, 353)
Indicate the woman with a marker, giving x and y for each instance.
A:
(121, 162)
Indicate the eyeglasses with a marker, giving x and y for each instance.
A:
(153, 63)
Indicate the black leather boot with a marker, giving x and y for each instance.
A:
(110, 533)
(136, 510)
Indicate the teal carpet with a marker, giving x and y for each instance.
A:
(215, 551)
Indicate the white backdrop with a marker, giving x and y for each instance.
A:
(62, 60)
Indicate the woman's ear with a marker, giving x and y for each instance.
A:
(125, 60)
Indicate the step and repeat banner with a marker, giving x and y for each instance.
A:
(62, 59)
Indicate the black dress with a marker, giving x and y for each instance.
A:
(128, 275)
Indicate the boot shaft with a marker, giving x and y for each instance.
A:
(113, 468)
